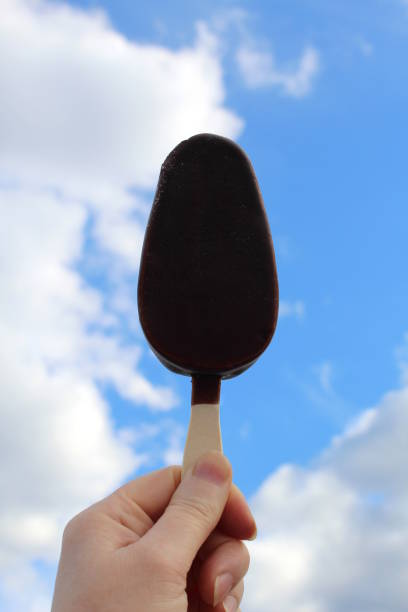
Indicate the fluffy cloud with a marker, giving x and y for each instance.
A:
(58, 450)
(92, 114)
(87, 117)
(256, 62)
(334, 537)
(259, 69)
(56, 431)
(91, 110)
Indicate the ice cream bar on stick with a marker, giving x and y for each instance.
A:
(208, 288)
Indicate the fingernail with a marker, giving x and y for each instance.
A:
(230, 604)
(213, 467)
(223, 585)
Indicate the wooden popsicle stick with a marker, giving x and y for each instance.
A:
(204, 433)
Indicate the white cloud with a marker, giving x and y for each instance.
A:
(49, 309)
(92, 114)
(334, 536)
(23, 589)
(173, 453)
(259, 69)
(87, 118)
(57, 447)
(292, 309)
(93, 111)
(256, 62)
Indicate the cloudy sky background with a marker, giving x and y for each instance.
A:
(93, 95)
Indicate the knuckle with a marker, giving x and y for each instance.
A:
(70, 530)
(77, 527)
(128, 512)
(195, 510)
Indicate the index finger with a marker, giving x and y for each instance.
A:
(152, 492)
(237, 520)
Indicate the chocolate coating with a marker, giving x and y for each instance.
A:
(205, 389)
(208, 289)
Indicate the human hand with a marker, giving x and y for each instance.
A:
(159, 545)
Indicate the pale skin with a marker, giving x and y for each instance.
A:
(159, 544)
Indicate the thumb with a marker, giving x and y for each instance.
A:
(193, 512)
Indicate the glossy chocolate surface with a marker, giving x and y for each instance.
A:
(208, 289)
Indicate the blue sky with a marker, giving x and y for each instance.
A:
(316, 93)
(331, 168)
